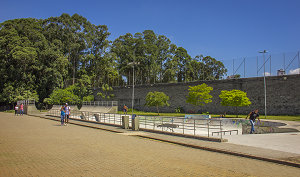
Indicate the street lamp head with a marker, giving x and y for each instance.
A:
(263, 51)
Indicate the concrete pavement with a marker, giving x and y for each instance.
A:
(38, 146)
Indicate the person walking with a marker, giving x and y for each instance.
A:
(253, 115)
(62, 115)
(125, 109)
(67, 115)
(21, 109)
(16, 109)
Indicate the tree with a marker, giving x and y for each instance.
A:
(235, 98)
(105, 95)
(199, 95)
(62, 96)
(212, 68)
(156, 99)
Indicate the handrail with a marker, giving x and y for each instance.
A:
(192, 126)
(100, 103)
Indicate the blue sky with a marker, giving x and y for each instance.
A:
(222, 29)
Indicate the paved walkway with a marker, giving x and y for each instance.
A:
(33, 146)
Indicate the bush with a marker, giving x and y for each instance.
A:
(179, 110)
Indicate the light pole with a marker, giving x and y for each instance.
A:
(133, 63)
(265, 86)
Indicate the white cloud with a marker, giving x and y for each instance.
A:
(294, 71)
(266, 74)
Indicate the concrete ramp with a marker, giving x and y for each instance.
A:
(102, 109)
(31, 109)
(72, 107)
(55, 107)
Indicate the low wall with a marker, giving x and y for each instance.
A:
(266, 129)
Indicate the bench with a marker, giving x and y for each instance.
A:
(212, 134)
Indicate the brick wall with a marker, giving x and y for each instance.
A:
(283, 95)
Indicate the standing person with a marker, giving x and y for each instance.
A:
(125, 109)
(16, 109)
(21, 109)
(67, 115)
(253, 115)
(62, 115)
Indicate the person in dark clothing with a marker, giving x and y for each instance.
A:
(253, 115)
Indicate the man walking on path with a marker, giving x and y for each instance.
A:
(253, 115)
(67, 115)
(16, 110)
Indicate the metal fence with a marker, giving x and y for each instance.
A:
(26, 102)
(265, 64)
(190, 126)
(109, 118)
(100, 103)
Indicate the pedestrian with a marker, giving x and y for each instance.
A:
(223, 115)
(253, 115)
(16, 109)
(62, 115)
(21, 109)
(67, 115)
(125, 109)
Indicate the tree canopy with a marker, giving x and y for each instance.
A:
(199, 95)
(44, 55)
(156, 99)
(235, 98)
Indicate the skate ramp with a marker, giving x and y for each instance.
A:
(31, 109)
(72, 107)
(102, 109)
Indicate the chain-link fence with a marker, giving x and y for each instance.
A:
(266, 64)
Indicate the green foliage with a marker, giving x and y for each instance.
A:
(179, 110)
(199, 95)
(62, 96)
(205, 113)
(106, 95)
(11, 95)
(42, 55)
(235, 98)
(88, 98)
(156, 99)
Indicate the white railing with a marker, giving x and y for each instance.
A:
(190, 126)
(26, 102)
(100, 103)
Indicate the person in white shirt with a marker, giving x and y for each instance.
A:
(67, 114)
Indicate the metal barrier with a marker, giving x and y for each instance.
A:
(100, 103)
(109, 118)
(191, 126)
(26, 102)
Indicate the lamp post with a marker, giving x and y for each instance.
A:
(133, 63)
(265, 86)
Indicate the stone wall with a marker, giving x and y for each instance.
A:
(283, 96)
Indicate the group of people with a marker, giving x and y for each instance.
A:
(65, 115)
(21, 109)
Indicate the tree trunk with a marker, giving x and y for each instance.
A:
(236, 112)
(157, 110)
